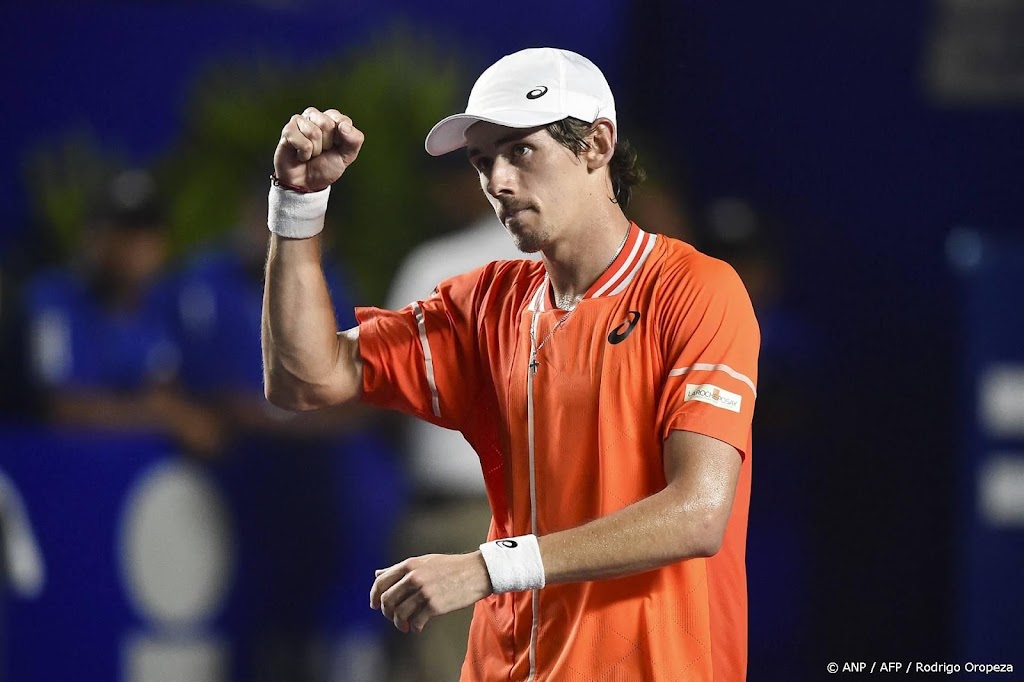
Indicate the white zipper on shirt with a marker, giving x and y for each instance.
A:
(531, 372)
(633, 266)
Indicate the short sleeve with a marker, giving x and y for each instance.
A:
(423, 359)
(711, 341)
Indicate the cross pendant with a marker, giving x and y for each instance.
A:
(534, 365)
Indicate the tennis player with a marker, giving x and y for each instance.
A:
(608, 390)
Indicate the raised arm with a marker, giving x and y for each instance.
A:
(307, 362)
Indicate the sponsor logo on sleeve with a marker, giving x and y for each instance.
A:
(713, 395)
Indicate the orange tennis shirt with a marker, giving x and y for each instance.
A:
(665, 339)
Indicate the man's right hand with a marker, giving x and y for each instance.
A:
(315, 148)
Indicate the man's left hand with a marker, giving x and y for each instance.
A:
(412, 592)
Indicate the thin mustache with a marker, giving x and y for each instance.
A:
(507, 208)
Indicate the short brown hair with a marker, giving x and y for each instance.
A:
(625, 168)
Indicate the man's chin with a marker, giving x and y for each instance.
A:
(527, 242)
(527, 246)
(526, 239)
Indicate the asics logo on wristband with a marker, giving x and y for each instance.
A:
(515, 571)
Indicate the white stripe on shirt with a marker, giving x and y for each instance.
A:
(428, 361)
(707, 367)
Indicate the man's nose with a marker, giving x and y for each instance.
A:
(501, 178)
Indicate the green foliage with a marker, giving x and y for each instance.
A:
(65, 178)
(394, 90)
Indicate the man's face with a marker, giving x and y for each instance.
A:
(131, 257)
(534, 183)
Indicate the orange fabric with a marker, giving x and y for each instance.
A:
(602, 412)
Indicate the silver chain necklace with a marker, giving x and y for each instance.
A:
(534, 346)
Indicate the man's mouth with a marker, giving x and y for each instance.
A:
(509, 212)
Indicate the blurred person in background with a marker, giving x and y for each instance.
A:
(749, 239)
(330, 522)
(609, 514)
(448, 511)
(101, 352)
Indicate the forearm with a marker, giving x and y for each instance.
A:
(654, 532)
(162, 409)
(666, 527)
(303, 356)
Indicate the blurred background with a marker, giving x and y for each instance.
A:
(858, 163)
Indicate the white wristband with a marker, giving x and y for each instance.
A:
(296, 215)
(514, 564)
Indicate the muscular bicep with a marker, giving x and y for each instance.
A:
(702, 473)
(336, 382)
(307, 364)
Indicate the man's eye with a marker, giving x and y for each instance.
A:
(520, 150)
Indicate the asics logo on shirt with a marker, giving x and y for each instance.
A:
(619, 334)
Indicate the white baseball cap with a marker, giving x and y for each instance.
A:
(532, 87)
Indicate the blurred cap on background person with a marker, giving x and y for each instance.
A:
(127, 243)
(129, 202)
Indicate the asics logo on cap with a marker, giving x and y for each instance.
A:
(509, 91)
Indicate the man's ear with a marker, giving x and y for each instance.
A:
(602, 144)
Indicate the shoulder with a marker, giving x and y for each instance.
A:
(680, 267)
(446, 257)
(696, 298)
(495, 284)
(511, 273)
(694, 290)
(513, 279)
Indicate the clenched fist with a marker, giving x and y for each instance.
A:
(316, 148)
(412, 592)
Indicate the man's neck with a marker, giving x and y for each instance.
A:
(578, 260)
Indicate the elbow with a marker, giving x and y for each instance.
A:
(288, 394)
(291, 397)
(706, 536)
(292, 400)
(278, 396)
(312, 381)
(708, 544)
